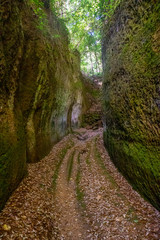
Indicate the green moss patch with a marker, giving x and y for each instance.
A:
(61, 156)
(139, 164)
(70, 165)
(79, 191)
(131, 57)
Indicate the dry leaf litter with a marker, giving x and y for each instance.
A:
(76, 193)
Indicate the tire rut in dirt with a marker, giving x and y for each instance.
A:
(68, 219)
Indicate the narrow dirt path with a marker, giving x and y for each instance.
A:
(76, 193)
(68, 221)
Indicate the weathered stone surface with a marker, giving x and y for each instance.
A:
(40, 88)
(131, 63)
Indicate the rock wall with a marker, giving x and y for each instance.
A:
(131, 92)
(40, 88)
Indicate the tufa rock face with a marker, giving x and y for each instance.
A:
(131, 92)
(40, 89)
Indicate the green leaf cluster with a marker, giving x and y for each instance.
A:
(38, 7)
(83, 19)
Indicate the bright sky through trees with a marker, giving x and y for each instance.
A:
(83, 19)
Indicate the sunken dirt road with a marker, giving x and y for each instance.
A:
(76, 193)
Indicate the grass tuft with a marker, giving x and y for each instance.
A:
(79, 192)
(61, 156)
(70, 165)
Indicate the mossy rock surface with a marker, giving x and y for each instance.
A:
(131, 93)
(40, 85)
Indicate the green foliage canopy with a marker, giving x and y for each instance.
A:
(84, 21)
